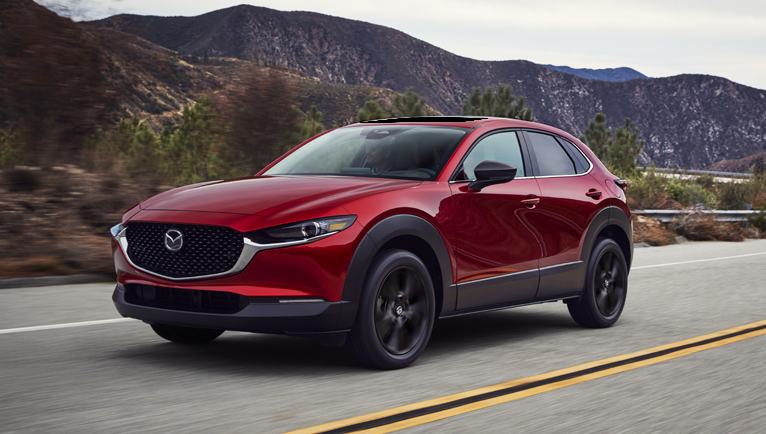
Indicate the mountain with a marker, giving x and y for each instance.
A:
(687, 120)
(54, 69)
(57, 63)
(607, 74)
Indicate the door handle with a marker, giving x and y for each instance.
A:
(531, 201)
(595, 194)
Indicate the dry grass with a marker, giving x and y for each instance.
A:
(652, 232)
(705, 228)
(61, 225)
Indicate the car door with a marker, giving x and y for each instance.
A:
(497, 247)
(569, 200)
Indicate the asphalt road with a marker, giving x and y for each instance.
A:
(120, 377)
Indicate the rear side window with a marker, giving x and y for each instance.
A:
(502, 147)
(552, 160)
(581, 163)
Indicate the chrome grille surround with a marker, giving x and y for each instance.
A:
(204, 250)
(249, 249)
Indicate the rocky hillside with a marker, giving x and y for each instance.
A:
(606, 74)
(158, 83)
(688, 120)
(147, 80)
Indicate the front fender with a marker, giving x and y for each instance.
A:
(377, 237)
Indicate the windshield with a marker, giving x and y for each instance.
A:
(388, 151)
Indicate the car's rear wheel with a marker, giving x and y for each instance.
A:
(396, 312)
(606, 287)
(185, 335)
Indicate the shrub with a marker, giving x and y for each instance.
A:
(734, 195)
(760, 200)
(11, 149)
(646, 190)
(758, 220)
(688, 193)
(706, 181)
(21, 180)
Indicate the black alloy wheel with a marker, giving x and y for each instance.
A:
(396, 312)
(400, 310)
(609, 284)
(606, 287)
(185, 335)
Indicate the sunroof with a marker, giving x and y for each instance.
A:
(426, 119)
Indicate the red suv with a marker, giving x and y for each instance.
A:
(366, 234)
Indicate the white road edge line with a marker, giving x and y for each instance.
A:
(697, 260)
(64, 326)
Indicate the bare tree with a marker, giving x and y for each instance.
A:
(52, 79)
(262, 116)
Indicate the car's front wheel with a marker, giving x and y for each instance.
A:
(185, 335)
(396, 312)
(606, 287)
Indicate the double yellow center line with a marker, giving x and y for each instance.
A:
(448, 406)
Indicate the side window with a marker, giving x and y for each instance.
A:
(502, 147)
(581, 162)
(551, 158)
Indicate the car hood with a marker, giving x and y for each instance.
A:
(268, 196)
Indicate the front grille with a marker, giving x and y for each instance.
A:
(206, 249)
(188, 300)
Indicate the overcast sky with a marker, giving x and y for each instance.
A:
(658, 37)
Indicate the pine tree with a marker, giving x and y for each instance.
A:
(472, 104)
(142, 156)
(503, 100)
(626, 147)
(313, 123)
(598, 137)
(501, 104)
(409, 104)
(518, 111)
(370, 111)
(191, 154)
(618, 149)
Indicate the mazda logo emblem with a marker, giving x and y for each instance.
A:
(174, 240)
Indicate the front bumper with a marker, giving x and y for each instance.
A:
(295, 318)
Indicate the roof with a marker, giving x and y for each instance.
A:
(467, 122)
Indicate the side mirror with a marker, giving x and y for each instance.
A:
(490, 173)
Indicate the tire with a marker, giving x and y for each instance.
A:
(606, 287)
(185, 335)
(396, 312)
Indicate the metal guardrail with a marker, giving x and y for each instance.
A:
(698, 172)
(669, 215)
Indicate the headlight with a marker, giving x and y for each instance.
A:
(303, 231)
(116, 229)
